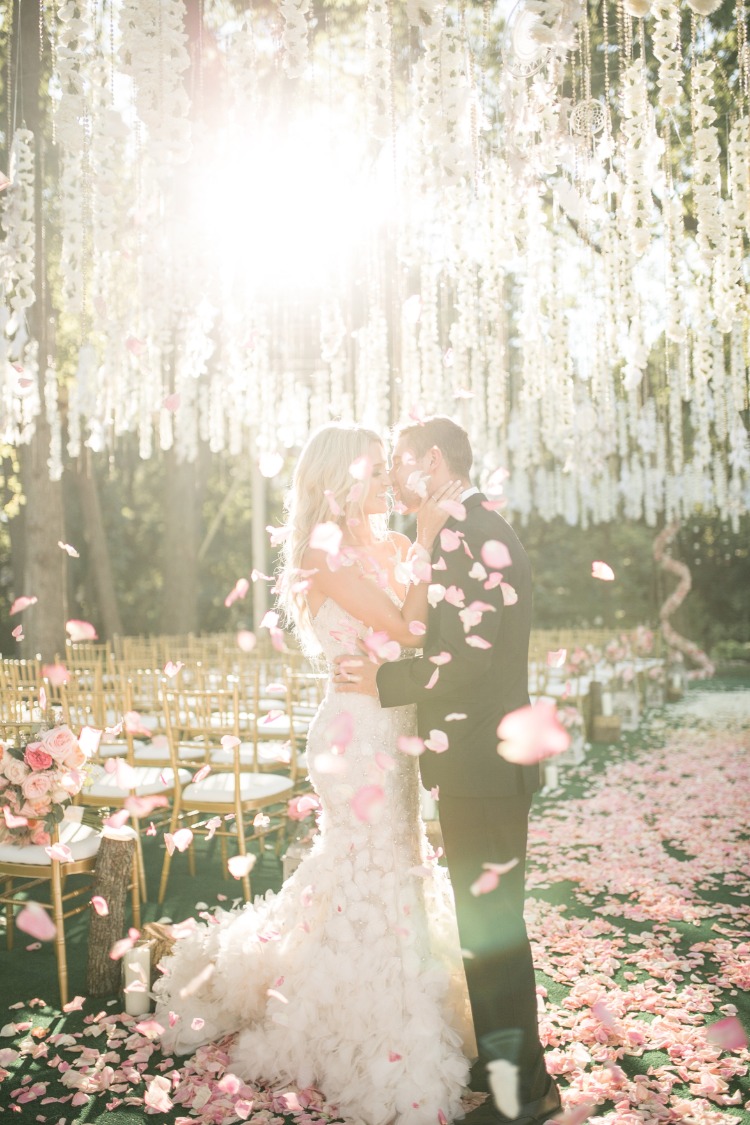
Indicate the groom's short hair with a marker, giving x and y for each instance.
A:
(450, 438)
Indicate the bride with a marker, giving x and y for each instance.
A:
(350, 978)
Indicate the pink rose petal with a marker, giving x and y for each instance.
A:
(34, 920)
(367, 803)
(326, 537)
(602, 570)
(495, 555)
(22, 603)
(530, 734)
(80, 630)
(410, 744)
(100, 905)
(241, 865)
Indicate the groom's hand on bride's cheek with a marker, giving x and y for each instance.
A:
(355, 674)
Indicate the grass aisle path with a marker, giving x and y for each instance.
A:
(639, 912)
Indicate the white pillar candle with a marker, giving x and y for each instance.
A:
(137, 976)
(550, 775)
(607, 704)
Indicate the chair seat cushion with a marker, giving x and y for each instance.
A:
(148, 780)
(253, 787)
(82, 839)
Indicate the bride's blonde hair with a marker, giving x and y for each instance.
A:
(322, 467)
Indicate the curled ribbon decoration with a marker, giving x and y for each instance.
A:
(674, 639)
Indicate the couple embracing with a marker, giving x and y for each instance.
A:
(350, 979)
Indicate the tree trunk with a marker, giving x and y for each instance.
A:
(45, 563)
(180, 547)
(96, 539)
(114, 865)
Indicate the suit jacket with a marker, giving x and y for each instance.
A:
(483, 680)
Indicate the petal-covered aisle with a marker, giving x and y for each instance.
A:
(639, 911)
(640, 919)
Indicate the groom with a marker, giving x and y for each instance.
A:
(483, 800)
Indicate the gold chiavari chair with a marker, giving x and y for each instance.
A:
(241, 804)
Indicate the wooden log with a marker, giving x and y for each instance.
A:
(114, 867)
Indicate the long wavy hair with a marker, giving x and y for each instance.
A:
(322, 467)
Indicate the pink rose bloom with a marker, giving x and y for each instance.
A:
(37, 758)
(35, 786)
(3, 783)
(58, 742)
(75, 758)
(40, 837)
(37, 809)
(15, 770)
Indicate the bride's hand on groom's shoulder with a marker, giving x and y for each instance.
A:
(356, 674)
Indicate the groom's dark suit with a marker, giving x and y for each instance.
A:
(484, 800)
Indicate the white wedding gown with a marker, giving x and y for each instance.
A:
(350, 978)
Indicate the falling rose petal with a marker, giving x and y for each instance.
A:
(385, 761)
(603, 571)
(43, 698)
(75, 1004)
(454, 716)
(454, 508)
(68, 549)
(326, 537)
(22, 603)
(34, 920)
(117, 819)
(17, 633)
(432, 680)
(437, 742)
(276, 995)
(417, 629)
(100, 905)
(478, 642)
(270, 619)
(13, 821)
(532, 733)
(454, 595)
(494, 580)
(171, 668)
(442, 1119)
(435, 593)
(410, 744)
(449, 540)
(503, 1078)
(340, 731)
(361, 469)
(478, 572)
(238, 592)
(204, 771)
(367, 803)
(495, 555)
(393, 1056)
(332, 502)
(135, 346)
(382, 647)
(270, 464)
(246, 641)
(510, 597)
(60, 852)
(181, 839)
(557, 658)
(80, 630)
(171, 402)
(300, 807)
(142, 806)
(121, 947)
(135, 725)
(241, 865)
(89, 740)
(271, 716)
(501, 868)
(729, 1034)
(156, 1097)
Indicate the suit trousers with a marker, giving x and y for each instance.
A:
(497, 955)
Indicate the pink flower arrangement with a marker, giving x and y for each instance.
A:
(36, 782)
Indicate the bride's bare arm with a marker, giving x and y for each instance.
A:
(362, 598)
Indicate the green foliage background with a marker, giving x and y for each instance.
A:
(133, 496)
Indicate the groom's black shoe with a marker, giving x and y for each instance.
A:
(532, 1113)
